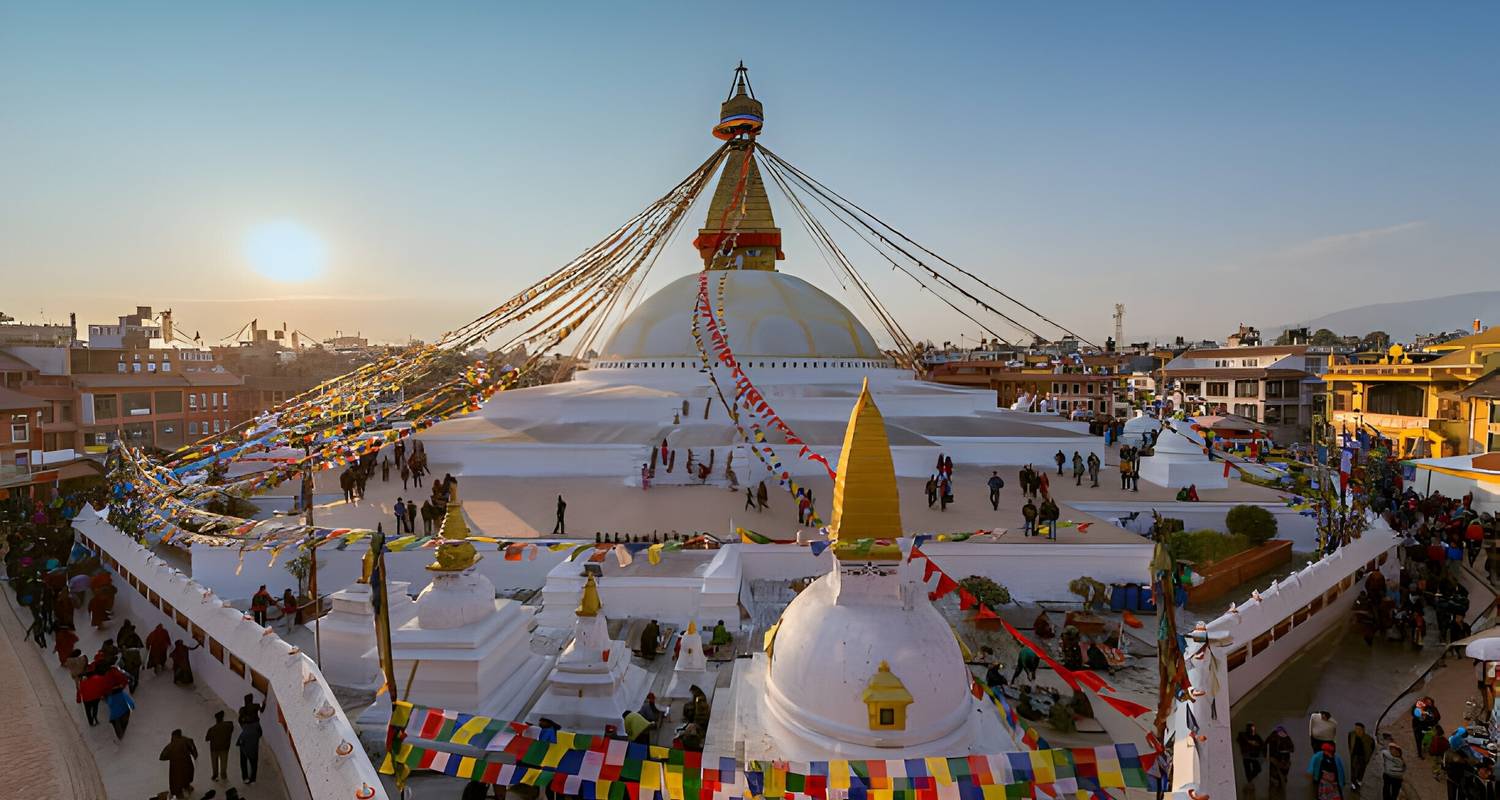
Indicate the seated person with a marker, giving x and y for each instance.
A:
(721, 636)
(1096, 658)
(653, 713)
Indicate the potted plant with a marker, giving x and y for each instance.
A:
(988, 593)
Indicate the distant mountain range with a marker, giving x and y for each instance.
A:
(1404, 320)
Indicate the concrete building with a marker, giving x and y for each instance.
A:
(1416, 398)
(1265, 384)
(1483, 398)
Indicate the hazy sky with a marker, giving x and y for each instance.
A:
(1204, 164)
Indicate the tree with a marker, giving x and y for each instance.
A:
(1375, 340)
(1256, 524)
(1323, 337)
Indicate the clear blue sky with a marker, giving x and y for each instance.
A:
(1205, 164)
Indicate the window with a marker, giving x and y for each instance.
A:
(106, 406)
(192, 429)
(1494, 412)
(135, 367)
(20, 429)
(1273, 415)
(136, 404)
(168, 402)
(1250, 388)
(166, 366)
(65, 411)
(1340, 401)
(1192, 387)
(888, 717)
(192, 401)
(1494, 445)
(1273, 389)
(216, 426)
(1218, 389)
(213, 398)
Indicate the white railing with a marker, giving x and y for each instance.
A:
(1246, 646)
(316, 747)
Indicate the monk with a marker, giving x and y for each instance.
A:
(67, 640)
(179, 754)
(100, 605)
(650, 635)
(1042, 627)
(182, 664)
(157, 643)
(62, 609)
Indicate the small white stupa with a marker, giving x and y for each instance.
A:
(1180, 459)
(593, 683)
(464, 649)
(348, 632)
(691, 668)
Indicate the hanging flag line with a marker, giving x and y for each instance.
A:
(759, 444)
(597, 767)
(1078, 680)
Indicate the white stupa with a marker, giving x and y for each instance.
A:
(691, 668)
(348, 632)
(593, 683)
(1179, 459)
(464, 649)
(861, 665)
(803, 348)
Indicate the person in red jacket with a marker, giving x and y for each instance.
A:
(91, 690)
(260, 603)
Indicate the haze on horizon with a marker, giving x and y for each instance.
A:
(1203, 165)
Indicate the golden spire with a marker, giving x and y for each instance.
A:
(865, 501)
(692, 627)
(589, 605)
(454, 526)
(740, 231)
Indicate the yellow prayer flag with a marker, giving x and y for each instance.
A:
(937, 766)
(470, 729)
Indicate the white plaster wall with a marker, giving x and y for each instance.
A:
(216, 567)
(1207, 767)
(305, 748)
(1290, 524)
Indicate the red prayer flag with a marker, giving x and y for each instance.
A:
(966, 601)
(986, 613)
(945, 586)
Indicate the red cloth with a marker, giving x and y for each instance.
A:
(93, 687)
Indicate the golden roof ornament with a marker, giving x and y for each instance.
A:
(454, 552)
(589, 605)
(866, 504)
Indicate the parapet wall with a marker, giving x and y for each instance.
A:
(1246, 646)
(313, 742)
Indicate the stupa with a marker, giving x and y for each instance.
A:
(691, 668)
(805, 351)
(1180, 459)
(464, 649)
(861, 665)
(593, 682)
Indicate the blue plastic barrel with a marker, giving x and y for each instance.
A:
(1117, 600)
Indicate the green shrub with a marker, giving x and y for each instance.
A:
(1256, 524)
(1205, 547)
(986, 591)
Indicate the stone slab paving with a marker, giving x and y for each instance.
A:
(43, 753)
(130, 768)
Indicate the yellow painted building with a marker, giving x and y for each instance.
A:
(1418, 398)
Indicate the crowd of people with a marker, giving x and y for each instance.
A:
(57, 581)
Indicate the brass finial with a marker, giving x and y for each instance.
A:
(589, 605)
(866, 504)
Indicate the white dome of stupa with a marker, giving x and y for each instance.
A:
(455, 599)
(825, 654)
(766, 313)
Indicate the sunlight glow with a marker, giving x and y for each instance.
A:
(286, 251)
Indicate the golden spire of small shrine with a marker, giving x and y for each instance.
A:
(866, 504)
(454, 525)
(589, 605)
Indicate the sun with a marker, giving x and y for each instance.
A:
(286, 251)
